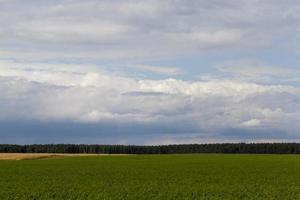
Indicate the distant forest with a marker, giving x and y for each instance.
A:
(259, 148)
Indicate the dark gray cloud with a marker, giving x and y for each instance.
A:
(139, 93)
(26, 132)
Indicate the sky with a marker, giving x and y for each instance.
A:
(149, 72)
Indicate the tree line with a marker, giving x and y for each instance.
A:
(256, 148)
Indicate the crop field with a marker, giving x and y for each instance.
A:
(137, 177)
(33, 156)
(29, 156)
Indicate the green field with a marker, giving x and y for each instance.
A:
(153, 177)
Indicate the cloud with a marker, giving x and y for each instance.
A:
(251, 123)
(170, 71)
(141, 30)
(239, 99)
(66, 94)
(254, 70)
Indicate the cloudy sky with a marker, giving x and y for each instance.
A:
(149, 72)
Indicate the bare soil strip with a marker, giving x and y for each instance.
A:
(32, 156)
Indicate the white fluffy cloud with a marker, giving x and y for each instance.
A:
(52, 92)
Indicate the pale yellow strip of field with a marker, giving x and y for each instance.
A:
(29, 156)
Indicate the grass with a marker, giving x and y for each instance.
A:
(153, 177)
